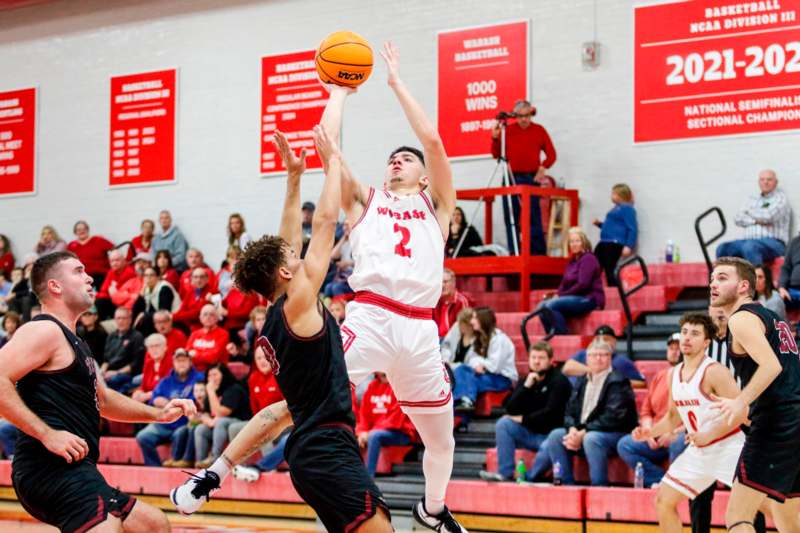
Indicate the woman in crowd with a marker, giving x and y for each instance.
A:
(144, 241)
(618, 231)
(225, 274)
(90, 330)
(11, 321)
(581, 288)
(459, 226)
(49, 242)
(92, 250)
(767, 295)
(237, 232)
(458, 340)
(6, 257)
(251, 330)
(156, 295)
(165, 269)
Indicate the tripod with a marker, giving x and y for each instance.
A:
(507, 180)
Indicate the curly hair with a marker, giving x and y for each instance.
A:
(257, 268)
(702, 320)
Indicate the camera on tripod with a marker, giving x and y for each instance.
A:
(504, 115)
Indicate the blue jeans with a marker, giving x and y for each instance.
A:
(337, 288)
(557, 309)
(538, 246)
(122, 383)
(183, 444)
(8, 438)
(379, 438)
(757, 251)
(216, 437)
(469, 384)
(597, 447)
(270, 462)
(149, 438)
(633, 452)
(509, 436)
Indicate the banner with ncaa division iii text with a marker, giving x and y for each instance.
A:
(709, 68)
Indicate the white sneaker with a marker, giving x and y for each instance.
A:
(249, 474)
(189, 497)
(444, 522)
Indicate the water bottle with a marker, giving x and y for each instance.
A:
(638, 476)
(521, 470)
(557, 473)
(669, 252)
(677, 258)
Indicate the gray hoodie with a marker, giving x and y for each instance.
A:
(175, 243)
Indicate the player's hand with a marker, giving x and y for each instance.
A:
(665, 440)
(733, 410)
(362, 439)
(64, 444)
(175, 409)
(784, 294)
(295, 165)
(326, 146)
(391, 55)
(333, 88)
(641, 434)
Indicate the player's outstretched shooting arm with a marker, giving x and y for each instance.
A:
(291, 224)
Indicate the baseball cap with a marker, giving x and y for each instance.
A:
(604, 330)
(180, 352)
(308, 206)
(675, 337)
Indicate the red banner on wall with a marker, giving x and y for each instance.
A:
(482, 71)
(707, 68)
(142, 145)
(292, 101)
(18, 141)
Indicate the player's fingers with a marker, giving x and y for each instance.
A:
(303, 154)
(715, 398)
(66, 455)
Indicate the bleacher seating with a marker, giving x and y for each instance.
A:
(585, 325)
(618, 472)
(649, 369)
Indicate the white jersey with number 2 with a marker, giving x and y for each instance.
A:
(398, 249)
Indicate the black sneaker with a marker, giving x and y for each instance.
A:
(443, 522)
(189, 497)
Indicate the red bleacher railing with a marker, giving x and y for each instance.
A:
(523, 265)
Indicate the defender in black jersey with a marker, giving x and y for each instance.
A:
(57, 405)
(303, 344)
(766, 358)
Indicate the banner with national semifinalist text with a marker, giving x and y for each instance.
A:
(716, 67)
(292, 101)
(482, 71)
(142, 144)
(18, 142)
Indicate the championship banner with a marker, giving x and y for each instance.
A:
(482, 71)
(142, 144)
(18, 142)
(716, 67)
(292, 101)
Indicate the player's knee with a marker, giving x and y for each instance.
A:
(664, 504)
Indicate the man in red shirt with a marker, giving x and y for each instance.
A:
(92, 250)
(175, 337)
(381, 422)
(207, 345)
(194, 300)
(451, 302)
(157, 365)
(525, 142)
(119, 273)
(194, 258)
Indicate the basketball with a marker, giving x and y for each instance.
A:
(344, 58)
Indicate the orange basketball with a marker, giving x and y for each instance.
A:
(344, 58)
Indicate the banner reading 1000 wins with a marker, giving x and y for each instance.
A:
(708, 68)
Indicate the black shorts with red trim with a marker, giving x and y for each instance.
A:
(72, 497)
(328, 473)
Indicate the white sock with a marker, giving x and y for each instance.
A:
(436, 431)
(221, 467)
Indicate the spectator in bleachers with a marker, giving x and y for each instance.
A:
(307, 213)
(381, 422)
(195, 260)
(251, 330)
(165, 269)
(22, 299)
(490, 363)
(766, 294)
(237, 232)
(458, 341)
(208, 344)
(162, 320)
(450, 303)
(192, 303)
(156, 295)
(8, 438)
(789, 280)
(11, 322)
(123, 355)
(653, 452)
(143, 243)
(127, 294)
(49, 242)
(601, 410)
(92, 250)
(618, 232)
(5, 289)
(179, 383)
(6, 257)
(17, 284)
(227, 404)
(115, 278)
(338, 309)
(225, 274)
(459, 226)
(235, 309)
(342, 258)
(182, 449)
(171, 238)
(534, 409)
(765, 218)
(156, 366)
(581, 288)
(576, 365)
(95, 335)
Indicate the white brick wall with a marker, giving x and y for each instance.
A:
(69, 50)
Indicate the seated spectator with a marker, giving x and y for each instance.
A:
(195, 260)
(450, 303)
(458, 341)
(182, 450)
(162, 320)
(227, 404)
(338, 308)
(235, 309)
(342, 257)
(381, 422)
(165, 268)
(601, 410)
(8, 439)
(178, 384)
(123, 355)
(92, 250)
(156, 295)
(237, 232)
(49, 242)
(22, 299)
(789, 280)
(258, 317)
(765, 218)
(11, 322)
(653, 452)
(115, 278)
(156, 366)
(534, 409)
(6, 257)
(15, 281)
(307, 215)
(170, 238)
(208, 345)
(90, 330)
(188, 315)
(618, 231)
(581, 288)
(126, 295)
(490, 363)
(576, 366)
(142, 243)
(458, 227)
(766, 293)
(225, 274)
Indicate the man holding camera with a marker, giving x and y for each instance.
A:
(525, 142)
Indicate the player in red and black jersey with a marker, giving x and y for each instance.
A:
(766, 359)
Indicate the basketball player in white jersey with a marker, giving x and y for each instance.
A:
(714, 444)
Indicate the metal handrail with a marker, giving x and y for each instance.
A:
(524, 328)
(705, 243)
(624, 294)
